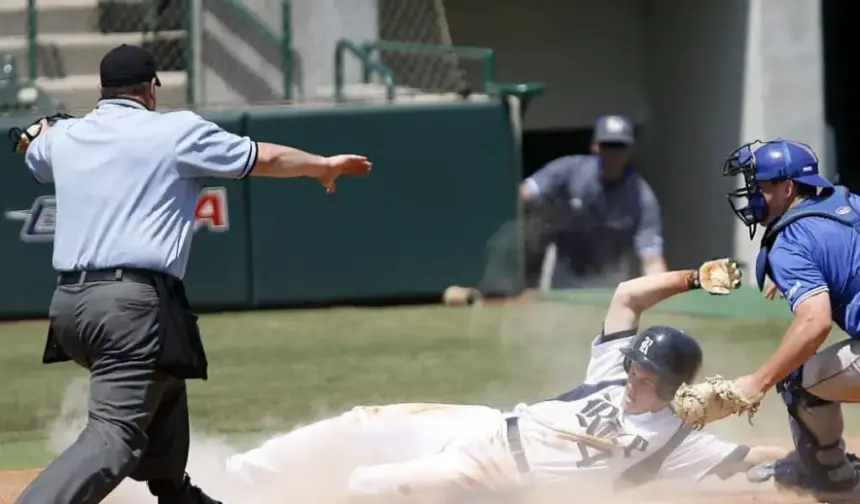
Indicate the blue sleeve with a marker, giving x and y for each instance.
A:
(794, 271)
(38, 159)
(552, 176)
(204, 149)
(649, 236)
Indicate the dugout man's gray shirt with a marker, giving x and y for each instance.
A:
(604, 226)
(127, 181)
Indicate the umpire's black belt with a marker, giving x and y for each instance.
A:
(515, 443)
(136, 275)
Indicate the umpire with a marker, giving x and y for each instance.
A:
(126, 182)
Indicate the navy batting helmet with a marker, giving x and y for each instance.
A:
(667, 352)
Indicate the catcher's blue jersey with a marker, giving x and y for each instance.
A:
(816, 248)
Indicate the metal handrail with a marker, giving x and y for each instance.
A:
(526, 92)
(469, 52)
(369, 65)
(284, 41)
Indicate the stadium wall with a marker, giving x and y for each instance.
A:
(438, 210)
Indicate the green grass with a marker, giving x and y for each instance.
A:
(272, 370)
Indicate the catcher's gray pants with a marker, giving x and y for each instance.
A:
(138, 418)
(832, 377)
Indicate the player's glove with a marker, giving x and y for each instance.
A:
(717, 277)
(714, 399)
(22, 137)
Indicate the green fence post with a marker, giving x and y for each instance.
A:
(490, 69)
(190, 71)
(287, 47)
(370, 65)
(32, 41)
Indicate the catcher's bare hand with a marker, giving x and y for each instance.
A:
(772, 291)
(344, 164)
(717, 277)
(749, 387)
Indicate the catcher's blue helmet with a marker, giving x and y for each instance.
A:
(773, 160)
(669, 353)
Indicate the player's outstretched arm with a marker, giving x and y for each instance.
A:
(756, 455)
(633, 297)
(739, 461)
(702, 454)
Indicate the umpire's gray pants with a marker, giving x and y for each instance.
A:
(138, 418)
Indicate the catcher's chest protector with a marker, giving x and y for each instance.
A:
(836, 207)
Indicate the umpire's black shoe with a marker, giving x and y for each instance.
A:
(169, 493)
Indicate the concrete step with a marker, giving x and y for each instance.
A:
(62, 55)
(82, 16)
(79, 93)
(54, 16)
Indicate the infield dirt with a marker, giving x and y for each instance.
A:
(733, 491)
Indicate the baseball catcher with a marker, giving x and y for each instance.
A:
(21, 137)
(617, 429)
(809, 252)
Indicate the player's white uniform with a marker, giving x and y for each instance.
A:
(384, 450)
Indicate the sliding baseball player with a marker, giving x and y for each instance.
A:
(618, 428)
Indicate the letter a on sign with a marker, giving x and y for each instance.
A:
(211, 209)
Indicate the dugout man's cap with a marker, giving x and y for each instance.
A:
(614, 129)
(126, 65)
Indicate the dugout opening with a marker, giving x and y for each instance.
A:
(841, 100)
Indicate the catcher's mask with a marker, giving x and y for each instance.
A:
(667, 352)
(773, 160)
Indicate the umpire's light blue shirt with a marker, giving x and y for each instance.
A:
(127, 182)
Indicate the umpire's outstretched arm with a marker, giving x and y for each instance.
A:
(280, 161)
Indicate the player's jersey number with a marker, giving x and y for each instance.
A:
(599, 417)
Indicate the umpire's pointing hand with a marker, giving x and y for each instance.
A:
(344, 164)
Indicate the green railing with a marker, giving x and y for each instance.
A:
(368, 55)
(369, 66)
(283, 41)
(464, 52)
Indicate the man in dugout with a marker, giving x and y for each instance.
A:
(598, 220)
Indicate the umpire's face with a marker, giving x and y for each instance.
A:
(641, 391)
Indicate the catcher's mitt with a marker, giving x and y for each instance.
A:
(22, 137)
(717, 277)
(714, 399)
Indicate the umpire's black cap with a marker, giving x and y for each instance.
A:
(125, 65)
